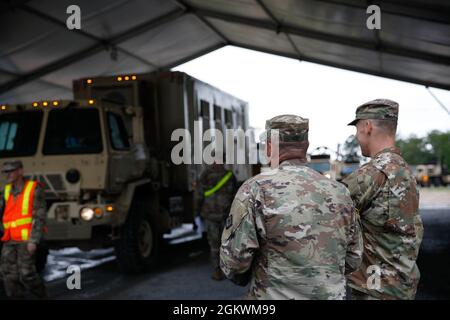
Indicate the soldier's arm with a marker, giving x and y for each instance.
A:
(2, 204)
(200, 190)
(355, 244)
(364, 184)
(2, 207)
(39, 215)
(239, 238)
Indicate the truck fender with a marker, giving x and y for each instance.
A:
(124, 201)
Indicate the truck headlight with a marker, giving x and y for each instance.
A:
(328, 175)
(86, 214)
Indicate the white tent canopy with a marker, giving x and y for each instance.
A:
(39, 56)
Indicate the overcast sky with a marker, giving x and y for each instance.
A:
(274, 85)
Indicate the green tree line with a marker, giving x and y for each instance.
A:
(433, 148)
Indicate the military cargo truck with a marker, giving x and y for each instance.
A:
(105, 158)
(432, 174)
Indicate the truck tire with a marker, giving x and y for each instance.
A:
(137, 248)
(436, 181)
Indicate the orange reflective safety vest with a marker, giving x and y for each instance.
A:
(17, 215)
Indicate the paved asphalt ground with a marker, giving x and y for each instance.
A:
(434, 255)
(183, 270)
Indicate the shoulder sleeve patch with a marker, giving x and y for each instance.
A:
(238, 212)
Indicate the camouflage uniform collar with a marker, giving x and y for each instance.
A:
(390, 149)
(15, 191)
(292, 162)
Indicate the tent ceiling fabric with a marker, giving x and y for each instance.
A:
(39, 56)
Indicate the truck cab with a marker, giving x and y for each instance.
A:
(70, 148)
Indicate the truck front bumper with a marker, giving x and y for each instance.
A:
(64, 222)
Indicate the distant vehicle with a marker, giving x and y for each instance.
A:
(105, 158)
(344, 168)
(432, 174)
(320, 160)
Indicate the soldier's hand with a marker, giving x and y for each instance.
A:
(31, 247)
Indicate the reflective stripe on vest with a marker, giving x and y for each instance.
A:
(219, 185)
(17, 223)
(7, 192)
(26, 198)
(24, 234)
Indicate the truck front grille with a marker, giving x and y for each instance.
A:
(56, 181)
(53, 183)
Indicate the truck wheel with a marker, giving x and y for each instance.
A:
(41, 257)
(437, 181)
(137, 248)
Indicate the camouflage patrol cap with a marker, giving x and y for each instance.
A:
(382, 109)
(290, 127)
(11, 166)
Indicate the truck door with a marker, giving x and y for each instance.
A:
(121, 168)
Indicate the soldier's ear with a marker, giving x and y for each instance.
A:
(369, 127)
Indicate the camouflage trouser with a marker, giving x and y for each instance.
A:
(358, 295)
(214, 233)
(19, 271)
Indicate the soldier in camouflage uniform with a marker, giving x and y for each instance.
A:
(216, 191)
(291, 231)
(18, 257)
(386, 197)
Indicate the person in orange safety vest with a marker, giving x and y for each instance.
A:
(23, 220)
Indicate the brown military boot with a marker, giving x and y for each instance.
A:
(218, 275)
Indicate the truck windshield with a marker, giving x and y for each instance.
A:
(19, 133)
(73, 131)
